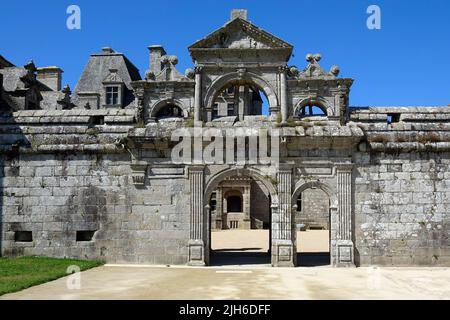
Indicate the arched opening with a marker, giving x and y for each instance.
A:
(240, 220)
(311, 110)
(169, 111)
(313, 221)
(266, 104)
(240, 101)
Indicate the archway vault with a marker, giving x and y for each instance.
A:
(237, 77)
(302, 186)
(255, 174)
(318, 101)
(159, 105)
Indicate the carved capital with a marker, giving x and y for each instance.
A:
(198, 69)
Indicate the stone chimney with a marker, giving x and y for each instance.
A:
(107, 50)
(239, 13)
(156, 52)
(51, 77)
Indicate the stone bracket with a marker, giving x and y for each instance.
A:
(139, 173)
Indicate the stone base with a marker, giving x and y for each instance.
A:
(342, 253)
(283, 253)
(197, 253)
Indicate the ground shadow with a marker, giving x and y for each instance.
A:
(239, 257)
(315, 259)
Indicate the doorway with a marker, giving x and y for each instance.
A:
(313, 223)
(240, 221)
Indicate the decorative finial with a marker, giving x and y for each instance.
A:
(149, 75)
(313, 58)
(335, 70)
(190, 73)
(66, 89)
(30, 66)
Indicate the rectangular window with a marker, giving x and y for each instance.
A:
(215, 111)
(112, 96)
(393, 118)
(234, 224)
(213, 202)
(231, 109)
(83, 236)
(23, 236)
(299, 203)
(230, 90)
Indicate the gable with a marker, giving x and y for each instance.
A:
(240, 34)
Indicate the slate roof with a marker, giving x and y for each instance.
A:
(98, 68)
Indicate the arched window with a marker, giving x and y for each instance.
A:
(169, 111)
(311, 110)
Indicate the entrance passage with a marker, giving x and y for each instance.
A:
(240, 223)
(313, 228)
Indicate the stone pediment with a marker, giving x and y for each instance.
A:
(240, 34)
(113, 77)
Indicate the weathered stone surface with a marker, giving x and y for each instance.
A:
(378, 178)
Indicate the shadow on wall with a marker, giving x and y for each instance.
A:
(2, 174)
(12, 140)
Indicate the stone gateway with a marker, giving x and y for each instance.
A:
(90, 174)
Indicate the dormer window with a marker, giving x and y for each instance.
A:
(112, 95)
(114, 89)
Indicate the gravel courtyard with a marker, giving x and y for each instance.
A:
(237, 280)
(126, 282)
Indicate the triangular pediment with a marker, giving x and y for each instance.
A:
(240, 34)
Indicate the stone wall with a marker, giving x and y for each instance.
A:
(260, 204)
(54, 196)
(402, 208)
(315, 211)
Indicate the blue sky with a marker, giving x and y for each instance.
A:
(407, 62)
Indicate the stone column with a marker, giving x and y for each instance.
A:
(284, 100)
(198, 221)
(246, 208)
(219, 208)
(342, 247)
(283, 248)
(198, 93)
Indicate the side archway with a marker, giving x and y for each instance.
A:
(318, 102)
(160, 105)
(300, 187)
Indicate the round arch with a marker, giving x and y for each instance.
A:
(320, 102)
(157, 106)
(235, 78)
(300, 187)
(214, 182)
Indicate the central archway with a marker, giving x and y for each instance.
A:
(252, 244)
(241, 78)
